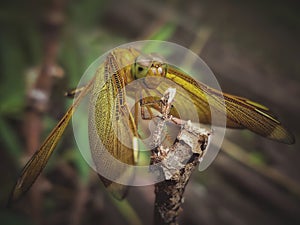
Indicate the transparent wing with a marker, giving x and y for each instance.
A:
(111, 129)
(240, 112)
(39, 160)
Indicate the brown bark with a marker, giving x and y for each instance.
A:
(176, 164)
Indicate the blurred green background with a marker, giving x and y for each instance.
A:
(251, 46)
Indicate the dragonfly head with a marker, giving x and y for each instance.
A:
(150, 68)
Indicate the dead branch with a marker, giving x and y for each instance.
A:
(176, 164)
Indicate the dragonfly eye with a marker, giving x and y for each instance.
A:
(149, 65)
(141, 66)
(139, 71)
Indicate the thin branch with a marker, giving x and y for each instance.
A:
(176, 163)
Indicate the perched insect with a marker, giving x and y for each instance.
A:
(111, 118)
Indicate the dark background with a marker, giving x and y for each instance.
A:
(251, 46)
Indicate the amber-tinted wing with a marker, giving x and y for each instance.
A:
(240, 112)
(111, 128)
(39, 160)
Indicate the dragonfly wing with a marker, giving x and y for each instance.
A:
(111, 130)
(257, 118)
(240, 112)
(39, 160)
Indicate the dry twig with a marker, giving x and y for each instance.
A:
(176, 163)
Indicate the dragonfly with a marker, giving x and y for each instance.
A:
(109, 111)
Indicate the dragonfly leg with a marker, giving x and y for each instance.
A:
(145, 104)
(74, 92)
